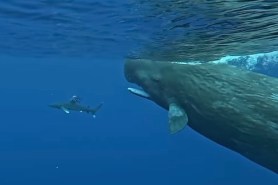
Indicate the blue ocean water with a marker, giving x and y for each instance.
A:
(52, 50)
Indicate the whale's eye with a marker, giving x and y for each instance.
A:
(156, 77)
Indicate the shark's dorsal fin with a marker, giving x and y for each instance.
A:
(75, 99)
(177, 118)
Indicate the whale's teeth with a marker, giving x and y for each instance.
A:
(139, 92)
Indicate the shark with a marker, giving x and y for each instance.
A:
(233, 107)
(74, 105)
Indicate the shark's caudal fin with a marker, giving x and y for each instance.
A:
(96, 109)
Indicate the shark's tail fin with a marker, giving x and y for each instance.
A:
(96, 109)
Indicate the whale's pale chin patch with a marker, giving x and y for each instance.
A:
(139, 92)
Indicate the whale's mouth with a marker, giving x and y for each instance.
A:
(139, 92)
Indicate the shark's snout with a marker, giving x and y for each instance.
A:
(53, 106)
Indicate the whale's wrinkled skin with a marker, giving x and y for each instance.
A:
(233, 107)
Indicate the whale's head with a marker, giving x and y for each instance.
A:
(141, 72)
(151, 77)
(157, 83)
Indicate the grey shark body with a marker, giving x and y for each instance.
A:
(74, 105)
(235, 108)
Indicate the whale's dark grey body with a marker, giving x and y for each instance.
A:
(233, 107)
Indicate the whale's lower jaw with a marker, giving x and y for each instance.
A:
(139, 92)
(232, 107)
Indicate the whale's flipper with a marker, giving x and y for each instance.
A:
(65, 110)
(177, 118)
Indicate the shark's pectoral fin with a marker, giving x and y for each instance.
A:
(177, 118)
(65, 110)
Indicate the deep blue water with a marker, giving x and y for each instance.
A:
(128, 142)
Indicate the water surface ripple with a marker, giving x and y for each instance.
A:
(165, 30)
(209, 29)
(68, 27)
